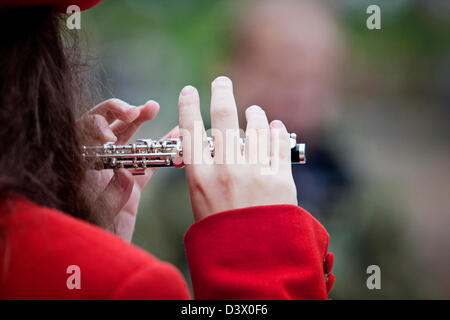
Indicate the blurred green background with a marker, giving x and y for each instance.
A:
(387, 138)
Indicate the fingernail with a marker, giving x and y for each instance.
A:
(187, 90)
(277, 124)
(255, 107)
(151, 101)
(222, 80)
(121, 180)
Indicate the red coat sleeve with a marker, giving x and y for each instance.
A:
(263, 252)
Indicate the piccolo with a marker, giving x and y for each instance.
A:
(148, 153)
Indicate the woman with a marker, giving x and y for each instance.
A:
(250, 239)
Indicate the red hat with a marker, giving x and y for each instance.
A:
(60, 5)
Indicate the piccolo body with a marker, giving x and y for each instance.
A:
(148, 153)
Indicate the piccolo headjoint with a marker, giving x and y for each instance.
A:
(148, 153)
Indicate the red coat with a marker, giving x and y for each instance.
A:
(266, 252)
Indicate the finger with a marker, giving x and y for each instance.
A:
(224, 119)
(257, 136)
(125, 221)
(96, 182)
(131, 207)
(192, 129)
(142, 180)
(113, 109)
(280, 147)
(97, 130)
(116, 194)
(172, 134)
(125, 131)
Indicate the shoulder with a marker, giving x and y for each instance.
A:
(43, 247)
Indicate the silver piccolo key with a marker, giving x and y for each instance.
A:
(148, 153)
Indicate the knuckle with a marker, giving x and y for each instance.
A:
(227, 176)
(198, 179)
(99, 121)
(195, 179)
(189, 101)
(281, 155)
(84, 120)
(281, 148)
(111, 102)
(196, 185)
(221, 109)
(258, 121)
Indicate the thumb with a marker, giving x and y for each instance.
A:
(115, 195)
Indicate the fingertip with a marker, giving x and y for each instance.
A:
(187, 96)
(278, 131)
(148, 111)
(187, 90)
(222, 81)
(153, 104)
(277, 124)
(253, 108)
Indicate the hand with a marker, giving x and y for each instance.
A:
(116, 194)
(230, 181)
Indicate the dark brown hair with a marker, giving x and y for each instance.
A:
(40, 98)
